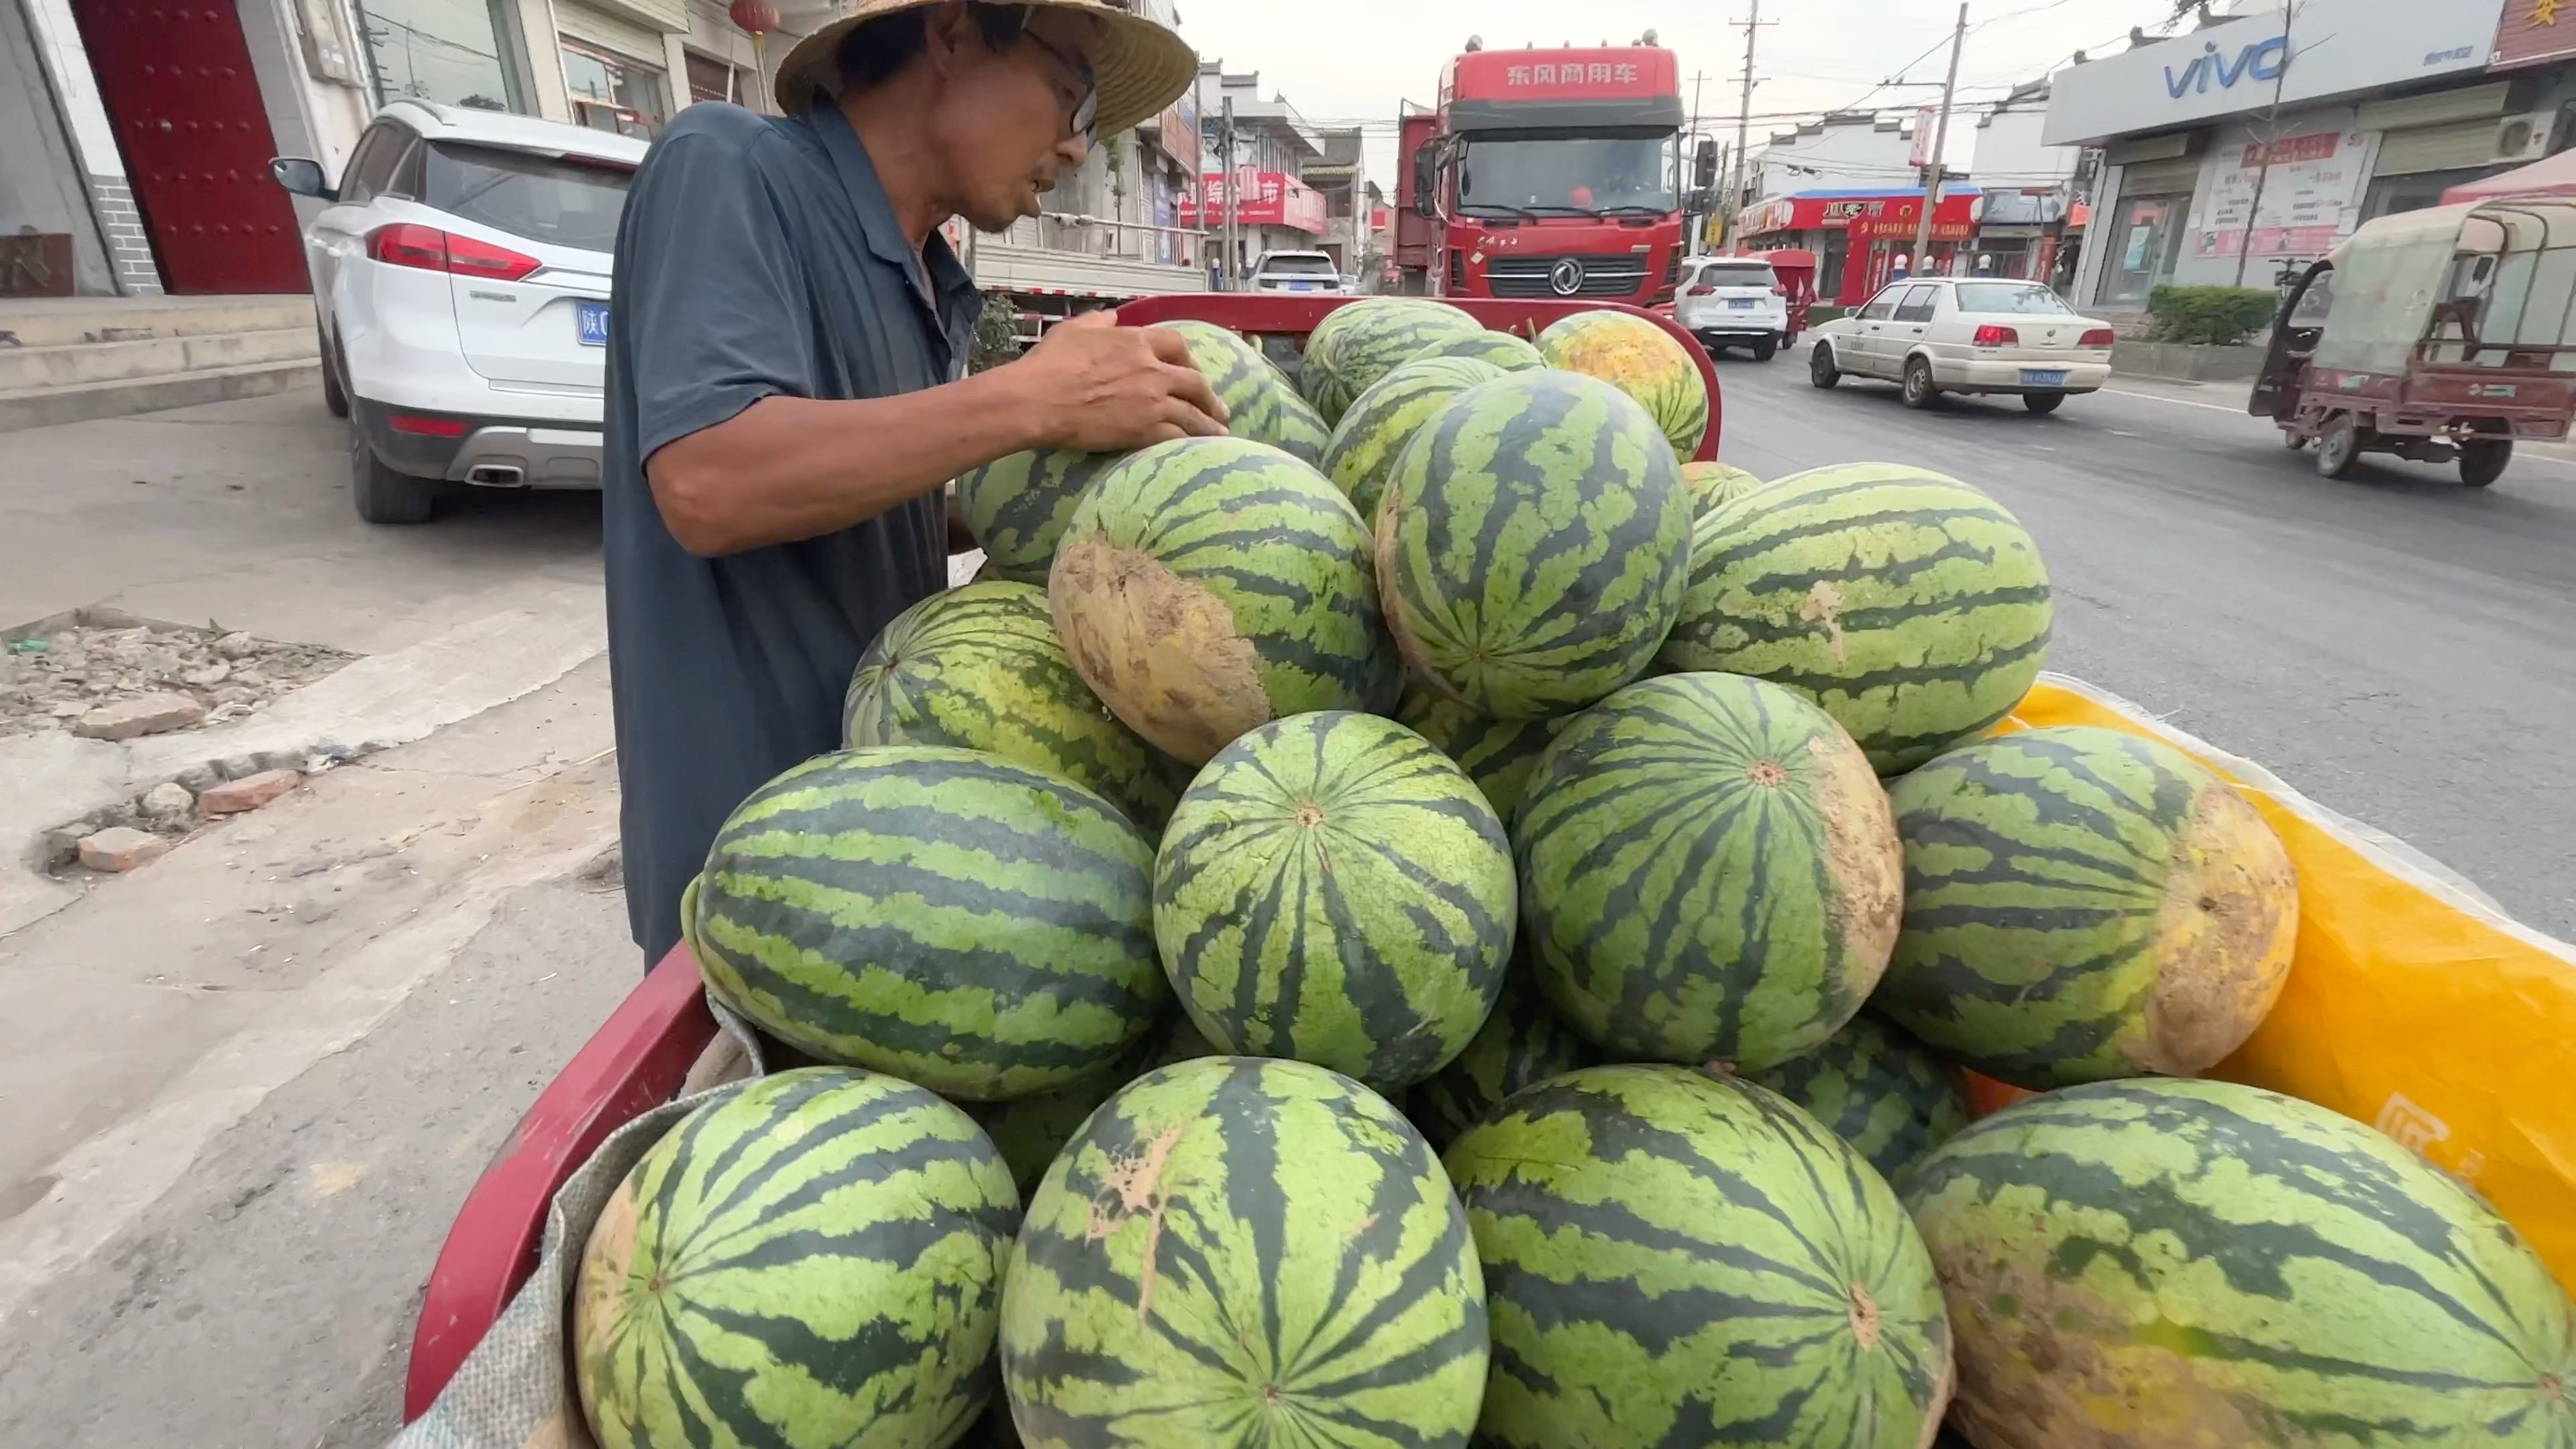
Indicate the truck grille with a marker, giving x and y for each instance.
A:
(1603, 276)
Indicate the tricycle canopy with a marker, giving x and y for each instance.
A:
(2475, 283)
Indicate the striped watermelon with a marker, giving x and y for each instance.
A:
(2159, 1262)
(1708, 871)
(1210, 584)
(1362, 341)
(1534, 545)
(1384, 419)
(1673, 1260)
(2086, 903)
(974, 925)
(1497, 754)
(1642, 360)
(1018, 507)
(1523, 1042)
(1501, 349)
(1029, 1131)
(1714, 485)
(980, 668)
(816, 1258)
(1238, 1252)
(1912, 606)
(1335, 890)
(1260, 403)
(1879, 1089)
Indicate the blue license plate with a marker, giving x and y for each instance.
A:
(1744, 302)
(1301, 286)
(2043, 377)
(594, 323)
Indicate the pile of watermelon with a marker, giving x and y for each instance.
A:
(1433, 919)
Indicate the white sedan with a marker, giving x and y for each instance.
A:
(1932, 335)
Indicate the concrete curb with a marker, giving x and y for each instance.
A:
(49, 780)
(2180, 362)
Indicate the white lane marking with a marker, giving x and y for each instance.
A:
(2221, 408)
(2180, 402)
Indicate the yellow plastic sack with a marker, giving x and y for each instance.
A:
(2413, 1003)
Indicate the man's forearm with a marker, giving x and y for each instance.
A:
(789, 468)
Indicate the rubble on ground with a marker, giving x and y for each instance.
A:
(118, 682)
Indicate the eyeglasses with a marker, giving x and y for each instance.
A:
(1085, 119)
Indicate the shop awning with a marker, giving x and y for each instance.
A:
(2555, 176)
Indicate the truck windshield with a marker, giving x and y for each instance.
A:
(1558, 174)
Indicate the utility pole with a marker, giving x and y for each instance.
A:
(1690, 149)
(1743, 119)
(1233, 203)
(1940, 143)
(2263, 158)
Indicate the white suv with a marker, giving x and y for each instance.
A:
(1732, 302)
(1299, 272)
(460, 276)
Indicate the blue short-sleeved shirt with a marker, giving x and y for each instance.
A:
(757, 256)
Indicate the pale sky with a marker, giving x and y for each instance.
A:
(1349, 61)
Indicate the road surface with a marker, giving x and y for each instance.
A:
(2397, 646)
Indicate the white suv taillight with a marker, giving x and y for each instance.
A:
(409, 244)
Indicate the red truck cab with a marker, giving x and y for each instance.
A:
(1551, 173)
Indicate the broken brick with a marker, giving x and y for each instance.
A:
(148, 714)
(250, 792)
(121, 848)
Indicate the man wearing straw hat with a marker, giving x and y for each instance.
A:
(785, 402)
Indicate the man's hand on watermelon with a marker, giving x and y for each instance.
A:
(1103, 388)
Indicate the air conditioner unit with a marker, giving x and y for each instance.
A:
(2526, 138)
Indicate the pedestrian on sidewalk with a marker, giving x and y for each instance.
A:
(786, 389)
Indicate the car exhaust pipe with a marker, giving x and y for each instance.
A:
(497, 475)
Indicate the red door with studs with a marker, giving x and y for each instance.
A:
(176, 79)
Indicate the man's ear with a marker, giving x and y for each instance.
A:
(947, 27)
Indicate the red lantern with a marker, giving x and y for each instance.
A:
(758, 17)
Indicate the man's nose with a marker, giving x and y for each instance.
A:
(1073, 149)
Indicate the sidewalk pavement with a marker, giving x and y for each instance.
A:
(239, 512)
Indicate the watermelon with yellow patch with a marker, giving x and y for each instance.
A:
(1642, 360)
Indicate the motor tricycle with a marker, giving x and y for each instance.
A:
(2441, 335)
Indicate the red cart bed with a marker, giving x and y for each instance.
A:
(639, 1056)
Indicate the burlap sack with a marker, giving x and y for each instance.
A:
(515, 1390)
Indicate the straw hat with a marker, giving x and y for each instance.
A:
(1142, 65)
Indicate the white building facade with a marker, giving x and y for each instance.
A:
(2239, 151)
(135, 138)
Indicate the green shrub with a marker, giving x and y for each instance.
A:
(2219, 316)
(997, 334)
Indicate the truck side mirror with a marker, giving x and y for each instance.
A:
(1426, 181)
(1704, 165)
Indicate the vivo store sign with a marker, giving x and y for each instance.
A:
(2329, 48)
(2263, 60)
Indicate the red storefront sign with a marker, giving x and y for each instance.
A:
(1270, 198)
(1865, 216)
(1893, 229)
(2291, 150)
(2535, 31)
